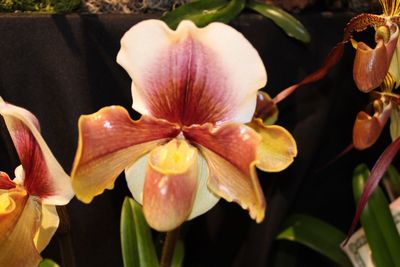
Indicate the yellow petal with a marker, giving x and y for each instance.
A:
(48, 227)
(277, 148)
(16, 245)
(170, 185)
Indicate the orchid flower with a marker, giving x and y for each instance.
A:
(28, 216)
(378, 67)
(196, 88)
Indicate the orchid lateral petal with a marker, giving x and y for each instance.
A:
(43, 175)
(367, 129)
(204, 199)
(16, 246)
(377, 172)
(6, 182)
(277, 148)
(360, 23)
(110, 141)
(231, 154)
(49, 222)
(209, 74)
(170, 185)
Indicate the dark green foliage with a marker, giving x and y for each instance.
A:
(48, 6)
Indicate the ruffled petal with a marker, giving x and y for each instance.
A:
(43, 175)
(231, 154)
(19, 221)
(170, 185)
(48, 226)
(192, 75)
(277, 149)
(110, 141)
(204, 199)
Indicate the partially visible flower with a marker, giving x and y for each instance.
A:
(378, 67)
(28, 217)
(195, 89)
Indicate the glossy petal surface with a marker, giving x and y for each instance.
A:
(231, 153)
(170, 185)
(204, 199)
(370, 66)
(367, 129)
(109, 142)
(19, 221)
(43, 175)
(277, 149)
(192, 75)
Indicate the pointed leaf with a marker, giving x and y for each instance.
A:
(136, 240)
(48, 263)
(203, 12)
(317, 235)
(377, 222)
(376, 175)
(284, 20)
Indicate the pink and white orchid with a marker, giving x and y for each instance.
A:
(195, 88)
(28, 217)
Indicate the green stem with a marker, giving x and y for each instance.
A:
(169, 247)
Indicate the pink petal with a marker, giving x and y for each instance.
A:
(231, 153)
(192, 75)
(109, 142)
(43, 175)
(170, 185)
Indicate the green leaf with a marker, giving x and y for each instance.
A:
(136, 240)
(377, 222)
(177, 260)
(393, 177)
(284, 20)
(203, 12)
(48, 263)
(317, 235)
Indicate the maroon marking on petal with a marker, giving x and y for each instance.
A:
(187, 85)
(6, 182)
(231, 161)
(111, 129)
(37, 181)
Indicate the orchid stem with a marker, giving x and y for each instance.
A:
(169, 247)
(64, 238)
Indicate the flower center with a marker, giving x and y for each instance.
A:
(4, 202)
(174, 157)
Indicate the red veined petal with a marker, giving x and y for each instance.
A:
(109, 142)
(231, 154)
(192, 75)
(5, 181)
(43, 175)
(170, 185)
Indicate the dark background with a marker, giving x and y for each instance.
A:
(60, 67)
